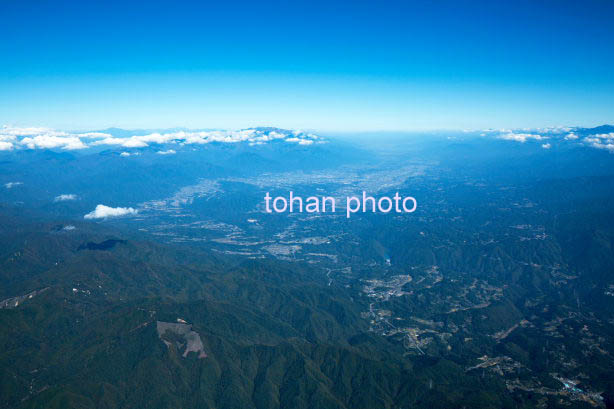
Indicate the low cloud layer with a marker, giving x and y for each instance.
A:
(251, 136)
(577, 136)
(601, 141)
(45, 138)
(103, 212)
(16, 138)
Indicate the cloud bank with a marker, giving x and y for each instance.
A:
(16, 138)
(577, 136)
(46, 138)
(601, 141)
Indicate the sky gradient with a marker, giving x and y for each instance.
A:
(342, 66)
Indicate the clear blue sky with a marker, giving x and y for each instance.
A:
(378, 65)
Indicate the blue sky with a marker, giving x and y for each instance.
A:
(379, 65)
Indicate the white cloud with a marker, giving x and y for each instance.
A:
(102, 212)
(554, 129)
(132, 142)
(607, 146)
(110, 141)
(46, 138)
(138, 141)
(275, 135)
(571, 136)
(252, 136)
(12, 184)
(521, 137)
(168, 152)
(65, 197)
(49, 141)
(300, 141)
(546, 146)
(601, 141)
(604, 135)
(161, 138)
(15, 131)
(94, 135)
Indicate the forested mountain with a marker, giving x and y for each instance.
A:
(135, 277)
